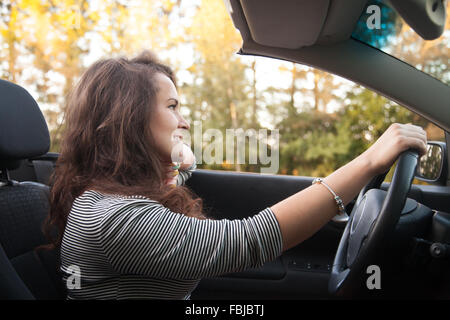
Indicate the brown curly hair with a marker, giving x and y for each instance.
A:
(107, 145)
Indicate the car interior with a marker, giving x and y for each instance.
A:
(406, 228)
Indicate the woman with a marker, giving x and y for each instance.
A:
(128, 232)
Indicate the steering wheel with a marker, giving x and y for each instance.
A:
(371, 222)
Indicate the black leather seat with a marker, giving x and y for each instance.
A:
(24, 272)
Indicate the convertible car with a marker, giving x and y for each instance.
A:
(395, 241)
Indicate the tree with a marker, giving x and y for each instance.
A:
(57, 36)
(219, 100)
(429, 56)
(10, 31)
(50, 33)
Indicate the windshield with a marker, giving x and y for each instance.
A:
(381, 27)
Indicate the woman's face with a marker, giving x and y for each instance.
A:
(166, 121)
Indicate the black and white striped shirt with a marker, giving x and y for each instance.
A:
(131, 247)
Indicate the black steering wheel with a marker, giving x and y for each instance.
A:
(372, 220)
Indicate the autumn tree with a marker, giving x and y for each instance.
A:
(217, 95)
(10, 31)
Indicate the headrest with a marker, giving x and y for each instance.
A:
(23, 130)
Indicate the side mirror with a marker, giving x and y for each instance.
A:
(432, 167)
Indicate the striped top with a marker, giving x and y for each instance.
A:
(132, 247)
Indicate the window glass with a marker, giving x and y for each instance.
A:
(323, 121)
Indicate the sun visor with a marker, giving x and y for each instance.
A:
(293, 24)
(289, 24)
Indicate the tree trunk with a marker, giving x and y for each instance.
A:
(234, 123)
(316, 91)
(292, 110)
(255, 106)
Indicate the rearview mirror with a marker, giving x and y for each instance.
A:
(432, 167)
(426, 17)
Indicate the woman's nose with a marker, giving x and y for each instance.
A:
(182, 123)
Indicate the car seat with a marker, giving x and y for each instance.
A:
(25, 273)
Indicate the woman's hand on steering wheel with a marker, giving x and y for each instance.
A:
(396, 139)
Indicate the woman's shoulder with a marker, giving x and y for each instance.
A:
(98, 199)
(92, 193)
(98, 207)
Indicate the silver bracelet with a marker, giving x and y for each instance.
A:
(338, 199)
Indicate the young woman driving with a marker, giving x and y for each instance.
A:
(125, 228)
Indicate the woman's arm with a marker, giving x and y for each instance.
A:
(304, 213)
(140, 236)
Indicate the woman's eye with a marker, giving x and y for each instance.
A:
(174, 106)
